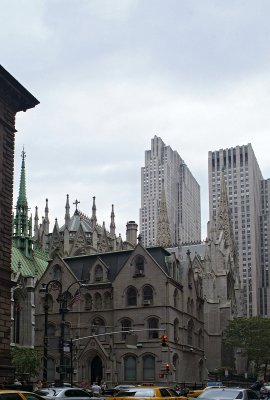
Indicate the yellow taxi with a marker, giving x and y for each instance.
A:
(147, 392)
(7, 394)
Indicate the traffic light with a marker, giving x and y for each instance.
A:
(164, 340)
(167, 367)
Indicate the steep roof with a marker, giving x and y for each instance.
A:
(80, 265)
(115, 260)
(28, 266)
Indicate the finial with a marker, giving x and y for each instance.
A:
(23, 155)
(76, 202)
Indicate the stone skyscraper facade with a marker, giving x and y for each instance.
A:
(248, 201)
(164, 168)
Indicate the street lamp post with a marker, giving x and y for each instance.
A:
(45, 289)
(63, 309)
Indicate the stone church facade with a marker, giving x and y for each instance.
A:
(189, 292)
(145, 290)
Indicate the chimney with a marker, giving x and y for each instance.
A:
(132, 230)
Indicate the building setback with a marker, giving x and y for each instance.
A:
(13, 98)
(164, 168)
(248, 201)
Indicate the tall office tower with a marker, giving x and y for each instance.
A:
(265, 248)
(244, 185)
(165, 169)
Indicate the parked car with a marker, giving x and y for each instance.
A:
(8, 394)
(228, 394)
(123, 387)
(63, 393)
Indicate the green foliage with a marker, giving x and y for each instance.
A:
(27, 362)
(252, 335)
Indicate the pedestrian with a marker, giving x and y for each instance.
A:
(104, 386)
(257, 387)
(96, 389)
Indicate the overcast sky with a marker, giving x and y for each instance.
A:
(111, 74)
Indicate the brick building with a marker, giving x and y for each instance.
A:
(13, 98)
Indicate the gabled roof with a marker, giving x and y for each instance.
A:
(80, 265)
(115, 260)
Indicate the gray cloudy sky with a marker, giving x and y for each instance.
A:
(110, 74)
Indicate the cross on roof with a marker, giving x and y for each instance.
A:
(76, 202)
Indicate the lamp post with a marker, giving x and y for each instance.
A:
(63, 309)
(45, 289)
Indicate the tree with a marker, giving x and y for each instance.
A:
(26, 361)
(252, 335)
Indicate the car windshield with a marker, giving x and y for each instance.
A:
(141, 392)
(222, 394)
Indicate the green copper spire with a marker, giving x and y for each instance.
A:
(22, 225)
(22, 200)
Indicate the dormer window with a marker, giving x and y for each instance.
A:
(139, 265)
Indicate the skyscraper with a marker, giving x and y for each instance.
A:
(248, 200)
(164, 168)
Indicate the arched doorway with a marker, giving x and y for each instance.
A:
(96, 370)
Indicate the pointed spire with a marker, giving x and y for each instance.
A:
(36, 222)
(224, 221)
(67, 215)
(163, 227)
(22, 225)
(22, 200)
(94, 210)
(112, 225)
(46, 219)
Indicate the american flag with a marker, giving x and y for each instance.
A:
(76, 297)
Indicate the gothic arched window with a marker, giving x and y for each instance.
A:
(107, 300)
(139, 265)
(149, 368)
(190, 332)
(176, 299)
(200, 339)
(131, 296)
(98, 274)
(176, 330)
(153, 325)
(88, 302)
(98, 301)
(130, 370)
(57, 272)
(125, 326)
(147, 295)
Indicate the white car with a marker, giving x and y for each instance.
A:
(69, 393)
(228, 393)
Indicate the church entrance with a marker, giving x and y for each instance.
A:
(96, 370)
